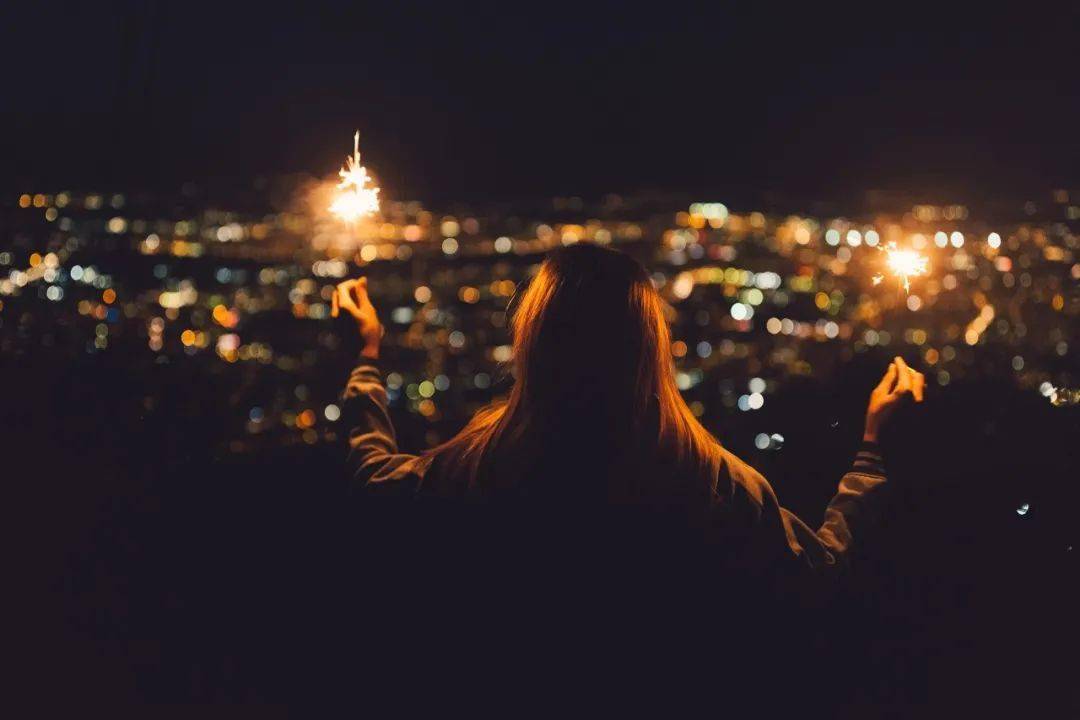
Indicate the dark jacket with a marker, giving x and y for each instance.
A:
(579, 600)
(749, 505)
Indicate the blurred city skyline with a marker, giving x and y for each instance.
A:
(758, 300)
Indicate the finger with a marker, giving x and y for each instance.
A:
(918, 384)
(360, 292)
(903, 383)
(888, 379)
(345, 297)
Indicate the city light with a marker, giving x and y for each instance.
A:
(754, 294)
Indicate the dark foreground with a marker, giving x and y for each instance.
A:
(150, 569)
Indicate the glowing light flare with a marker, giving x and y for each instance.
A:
(903, 264)
(1064, 396)
(358, 196)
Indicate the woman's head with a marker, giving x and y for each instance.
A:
(587, 336)
(593, 369)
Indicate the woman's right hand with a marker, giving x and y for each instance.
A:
(899, 380)
(352, 296)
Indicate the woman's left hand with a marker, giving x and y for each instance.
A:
(899, 380)
(352, 296)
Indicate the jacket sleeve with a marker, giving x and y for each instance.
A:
(373, 458)
(780, 535)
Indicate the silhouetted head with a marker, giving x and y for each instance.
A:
(593, 374)
(586, 337)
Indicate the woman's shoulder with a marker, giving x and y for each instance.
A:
(742, 481)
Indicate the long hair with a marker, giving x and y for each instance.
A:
(594, 383)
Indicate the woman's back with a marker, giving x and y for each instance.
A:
(594, 421)
(588, 523)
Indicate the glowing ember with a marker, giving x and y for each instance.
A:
(1064, 396)
(359, 196)
(903, 264)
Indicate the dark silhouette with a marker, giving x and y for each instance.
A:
(593, 478)
(595, 413)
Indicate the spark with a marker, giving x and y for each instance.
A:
(359, 195)
(903, 264)
(1064, 396)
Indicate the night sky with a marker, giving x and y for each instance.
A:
(468, 102)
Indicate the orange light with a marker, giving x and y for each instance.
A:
(224, 316)
(109, 296)
(306, 419)
(188, 337)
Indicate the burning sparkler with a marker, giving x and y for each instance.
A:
(359, 196)
(902, 264)
(1064, 396)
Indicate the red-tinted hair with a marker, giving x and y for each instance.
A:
(593, 370)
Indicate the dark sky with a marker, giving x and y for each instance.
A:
(467, 101)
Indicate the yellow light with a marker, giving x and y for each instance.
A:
(903, 264)
(358, 196)
(369, 253)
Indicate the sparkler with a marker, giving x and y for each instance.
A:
(359, 196)
(1065, 396)
(902, 264)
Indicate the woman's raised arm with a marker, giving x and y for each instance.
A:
(373, 459)
(824, 551)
